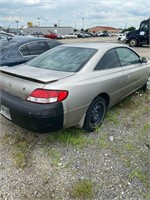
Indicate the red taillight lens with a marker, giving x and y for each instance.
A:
(47, 96)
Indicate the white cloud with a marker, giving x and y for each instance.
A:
(95, 12)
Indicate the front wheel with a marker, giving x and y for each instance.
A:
(95, 114)
(133, 43)
(147, 85)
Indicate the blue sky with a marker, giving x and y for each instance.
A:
(75, 13)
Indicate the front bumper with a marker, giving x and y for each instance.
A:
(40, 118)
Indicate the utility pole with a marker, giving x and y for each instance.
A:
(59, 22)
(83, 24)
(38, 21)
(17, 25)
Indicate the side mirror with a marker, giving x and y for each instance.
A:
(143, 60)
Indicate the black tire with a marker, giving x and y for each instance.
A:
(95, 114)
(146, 87)
(133, 42)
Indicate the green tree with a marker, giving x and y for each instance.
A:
(132, 28)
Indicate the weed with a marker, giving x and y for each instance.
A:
(146, 128)
(54, 154)
(82, 190)
(129, 147)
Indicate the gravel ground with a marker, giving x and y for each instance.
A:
(113, 160)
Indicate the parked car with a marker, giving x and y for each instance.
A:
(51, 35)
(71, 35)
(60, 36)
(80, 35)
(71, 85)
(21, 49)
(4, 35)
(119, 36)
(37, 34)
(122, 36)
(102, 34)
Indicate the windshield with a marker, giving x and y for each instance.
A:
(67, 59)
(144, 25)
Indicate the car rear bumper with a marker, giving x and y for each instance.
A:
(40, 118)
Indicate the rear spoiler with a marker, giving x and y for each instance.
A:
(52, 79)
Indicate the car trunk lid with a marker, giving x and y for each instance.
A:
(22, 80)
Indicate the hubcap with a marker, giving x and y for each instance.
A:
(148, 83)
(133, 43)
(97, 115)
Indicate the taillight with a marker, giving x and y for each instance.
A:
(47, 96)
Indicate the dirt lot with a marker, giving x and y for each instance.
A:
(110, 164)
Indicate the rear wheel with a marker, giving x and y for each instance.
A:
(133, 42)
(95, 114)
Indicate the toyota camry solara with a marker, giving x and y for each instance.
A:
(71, 85)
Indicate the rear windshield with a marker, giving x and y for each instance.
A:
(67, 59)
(5, 45)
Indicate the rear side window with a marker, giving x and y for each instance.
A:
(108, 61)
(127, 56)
(34, 48)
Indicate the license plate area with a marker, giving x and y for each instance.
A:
(5, 112)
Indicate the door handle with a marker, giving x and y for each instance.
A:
(128, 76)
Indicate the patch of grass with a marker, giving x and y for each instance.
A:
(19, 152)
(147, 196)
(146, 128)
(45, 178)
(73, 137)
(18, 147)
(127, 102)
(112, 117)
(129, 147)
(103, 141)
(82, 190)
(137, 173)
(54, 154)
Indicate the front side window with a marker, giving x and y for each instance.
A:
(109, 60)
(67, 59)
(127, 56)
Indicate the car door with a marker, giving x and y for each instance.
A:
(110, 76)
(144, 31)
(135, 73)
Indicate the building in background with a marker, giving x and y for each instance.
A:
(64, 30)
(99, 29)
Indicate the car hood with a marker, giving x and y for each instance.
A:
(28, 72)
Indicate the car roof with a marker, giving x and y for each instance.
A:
(20, 39)
(96, 45)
